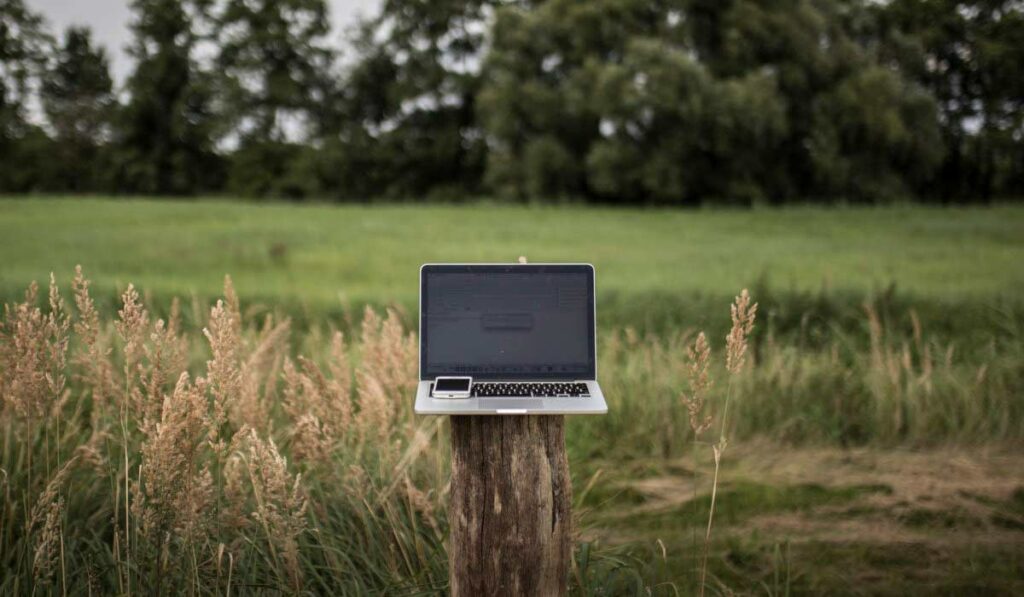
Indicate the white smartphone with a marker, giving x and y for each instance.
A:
(452, 387)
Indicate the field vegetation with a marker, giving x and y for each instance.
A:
(614, 101)
(653, 266)
(227, 442)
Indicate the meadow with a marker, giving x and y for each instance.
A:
(318, 256)
(874, 434)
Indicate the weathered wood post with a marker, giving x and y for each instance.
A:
(511, 506)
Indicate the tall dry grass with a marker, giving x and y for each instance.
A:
(142, 455)
(898, 386)
(217, 462)
(743, 314)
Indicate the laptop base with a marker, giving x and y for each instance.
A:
(593, 404)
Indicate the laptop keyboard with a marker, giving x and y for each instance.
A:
(541, 389)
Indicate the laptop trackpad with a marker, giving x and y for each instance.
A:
(509, 403)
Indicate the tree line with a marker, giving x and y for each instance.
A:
(674, 102)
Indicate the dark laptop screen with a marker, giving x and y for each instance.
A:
(507, 321)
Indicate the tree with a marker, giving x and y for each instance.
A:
(853, 131)
(625, 101)
(274, 62)
(22, 56)
(672, 133)
(540, 79)
(23, 43)
(167, 128)
(409, 102)
(873, 136)
(969, 56)
(609, 100)
(276, 75)
(690, 101)
(78, 101)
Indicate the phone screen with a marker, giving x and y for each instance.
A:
(452, 385)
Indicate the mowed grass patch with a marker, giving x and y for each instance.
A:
(804, 522)
(742, 499)
(321, 256)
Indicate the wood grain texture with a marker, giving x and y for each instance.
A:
(511, 506)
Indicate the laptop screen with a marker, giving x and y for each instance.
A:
(507, 321)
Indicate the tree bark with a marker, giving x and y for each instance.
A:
(511, 506)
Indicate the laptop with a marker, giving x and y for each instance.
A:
(508, 339)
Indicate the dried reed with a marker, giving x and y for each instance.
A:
(194, 489)
(743, 315)
(280, 503)
(196, 476)
(698, 362)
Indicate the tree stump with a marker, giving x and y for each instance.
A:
(511, 506)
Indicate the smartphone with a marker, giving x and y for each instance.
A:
(452, 387)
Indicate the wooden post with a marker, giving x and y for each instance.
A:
(511, 506)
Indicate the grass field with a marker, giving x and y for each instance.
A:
(875, 436)
(315, 254)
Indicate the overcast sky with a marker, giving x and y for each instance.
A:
(109, 21)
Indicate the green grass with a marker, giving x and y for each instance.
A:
(744, 500)
(316, 255)
(818, 380)
(863, 531)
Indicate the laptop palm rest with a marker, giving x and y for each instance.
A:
(509, 403)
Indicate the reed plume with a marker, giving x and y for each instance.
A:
(44, 561)
(386, 374)
(340, 384)
(234, 514)
(46, 516)
(176, 491)
(280, 503)
(223, 370)
(131, 325)
(93, 357)
(259, 373)
(743, 315)
(166, 357)
(698, 361)
(318, 403)
(34, 356)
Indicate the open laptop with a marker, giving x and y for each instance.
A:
(515, 339)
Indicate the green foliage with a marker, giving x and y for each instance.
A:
(23, 43)
(273, 63)
(874, 138)
(683, 102)
(271, 169)
(78, 99)
(675, 125)
(408, 124)
(28, 164)
(778, 100)
(22, 55)
(164, 143)
(967, 54)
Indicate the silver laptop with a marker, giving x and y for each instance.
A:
(508, 339)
